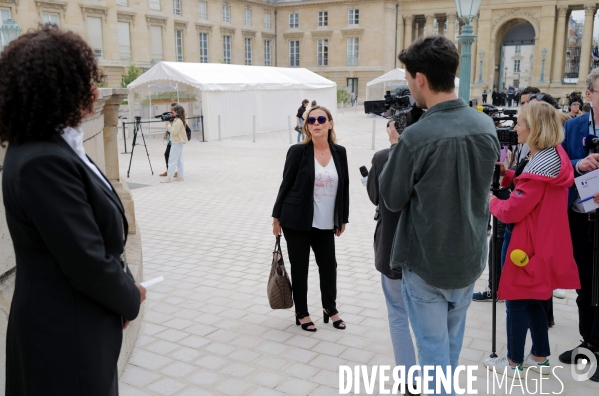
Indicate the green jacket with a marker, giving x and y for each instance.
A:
(439, 176)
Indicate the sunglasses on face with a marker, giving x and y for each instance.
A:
(538, 96)
(320, 119)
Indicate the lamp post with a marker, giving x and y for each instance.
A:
(467, 10)
(480, 74)
(543, 54)
(505, 77)
(10, 31)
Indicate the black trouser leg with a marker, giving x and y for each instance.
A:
(298, 249)
(582, 232)
(548, 307)
(167, 152)
(323, 245)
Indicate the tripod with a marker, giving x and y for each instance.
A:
(494, 262)
(136, 129)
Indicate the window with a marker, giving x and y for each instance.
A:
(155, 5)
(4, 15)
(124, 40)
(227, 49)
(294, 20)
(353, 45)
(203, 10)
(322, 52)
(248, 51)
(267, 61)
(94, 35)
(517, 66)
(156, 40)
(203, 47)
(267, 21)
(518, 49)
(177, 7)
(353, 17)
(123, 3)
(53, 19)
(294, 53)
(226, 13)
(179, 45)
(248, 18)
(323, 18)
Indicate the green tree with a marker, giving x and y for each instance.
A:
(132, 74)
(343, 96)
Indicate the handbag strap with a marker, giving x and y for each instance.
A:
(278, 246)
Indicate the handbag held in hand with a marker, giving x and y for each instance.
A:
(279, 285)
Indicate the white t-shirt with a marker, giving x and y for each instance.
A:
(326, 181)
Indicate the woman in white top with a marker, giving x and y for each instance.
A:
(178, 139)
(311, 208)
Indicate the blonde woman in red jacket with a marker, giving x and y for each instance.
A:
(539, 258)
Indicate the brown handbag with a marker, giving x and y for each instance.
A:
(279, 285)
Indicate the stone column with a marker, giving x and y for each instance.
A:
(400, 34)
(475, 66)
(428, 27)
(451, 27)
(409, 30)
(441, 24)
(560, 40)
(587, 41)
(416, 29)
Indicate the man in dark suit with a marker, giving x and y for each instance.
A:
(495, 97)
(386, 224)
(582, 224)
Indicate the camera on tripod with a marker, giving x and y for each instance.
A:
(398, 106)
(166, 116)
(505, 134)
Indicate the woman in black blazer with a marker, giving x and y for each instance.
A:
(74, 293)
(312, 206)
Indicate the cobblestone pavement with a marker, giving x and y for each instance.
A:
(208, 328)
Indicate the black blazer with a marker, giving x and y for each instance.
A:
(72, 290)
(386, 224)
(295, 202)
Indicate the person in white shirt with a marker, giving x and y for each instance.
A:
(178, 139)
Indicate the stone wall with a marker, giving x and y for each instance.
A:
(100, 141)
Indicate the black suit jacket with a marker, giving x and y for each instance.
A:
(295, 202)
(72, 290)
(386, 224)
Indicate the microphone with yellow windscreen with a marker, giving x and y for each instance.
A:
(480, 108)
(519, 257)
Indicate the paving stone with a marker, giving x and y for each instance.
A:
(137, 376)
(234, 387)
(166, 386)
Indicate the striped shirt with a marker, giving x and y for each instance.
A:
(544, 163)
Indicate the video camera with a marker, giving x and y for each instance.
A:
(166, 116)
(506, 134)
(399, 106)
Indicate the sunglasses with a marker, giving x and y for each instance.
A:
(320, 119)
(537, 96)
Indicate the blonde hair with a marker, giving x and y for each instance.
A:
(332, 136)
(544, 123)
(564, 117)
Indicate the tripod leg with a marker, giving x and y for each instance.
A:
(132, 149)
(494, 262)
(148, 154)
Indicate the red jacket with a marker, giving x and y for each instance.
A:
(538, 207)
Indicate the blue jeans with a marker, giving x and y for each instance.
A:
(403, 348)
(299, 135)
(438, 318)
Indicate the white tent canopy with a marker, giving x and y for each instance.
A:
(235, 92)
(375, 89)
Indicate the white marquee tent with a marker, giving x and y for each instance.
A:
(235, 92)
(375, 89)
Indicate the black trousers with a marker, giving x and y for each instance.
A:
(582, 232)
(484, 98)
(167, 153)
(322, 243)
(500, 234)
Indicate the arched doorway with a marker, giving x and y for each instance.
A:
(515, 54)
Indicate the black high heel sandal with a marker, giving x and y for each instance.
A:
(305, 326)
(336, 324)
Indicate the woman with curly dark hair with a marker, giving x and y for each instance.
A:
(74, 293)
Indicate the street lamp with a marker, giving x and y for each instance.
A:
(543, 54)
(505, 78)
(10, 31)
(467, 10)
(480, 74)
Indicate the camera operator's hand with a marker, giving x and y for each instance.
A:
(590, 163)
(392, 132)
(501, 168)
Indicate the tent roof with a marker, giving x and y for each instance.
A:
(222, 77)
(397, 75)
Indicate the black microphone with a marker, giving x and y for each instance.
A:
(364, 173)
(590, 141)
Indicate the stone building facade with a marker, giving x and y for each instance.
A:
(348, 41)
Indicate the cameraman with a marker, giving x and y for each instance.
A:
(386, 224)
(178, 137)
(168, 146)
(440, 242)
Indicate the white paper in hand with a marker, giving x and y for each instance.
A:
(151, 282)
(587, 186)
